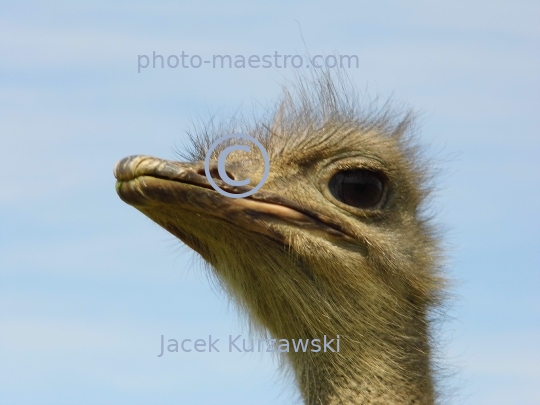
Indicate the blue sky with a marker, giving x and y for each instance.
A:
(88, 284)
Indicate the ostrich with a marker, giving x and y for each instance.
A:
(336, 242)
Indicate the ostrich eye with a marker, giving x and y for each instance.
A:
(359, 188)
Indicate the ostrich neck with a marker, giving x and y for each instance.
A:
(384, 355)
(342, 381)
(370, 367)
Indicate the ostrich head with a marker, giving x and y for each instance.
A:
(334, 243)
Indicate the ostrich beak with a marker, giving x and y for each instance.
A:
(163, 190)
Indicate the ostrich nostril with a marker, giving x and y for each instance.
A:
(214, 173)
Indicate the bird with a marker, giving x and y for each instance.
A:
(338, 243)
